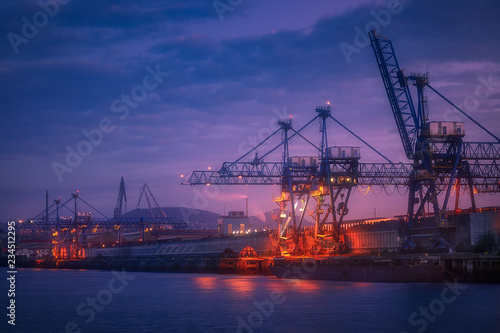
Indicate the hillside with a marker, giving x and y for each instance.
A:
(196, 219)
(265, 220)
(206, 220)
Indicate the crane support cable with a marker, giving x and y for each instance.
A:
(366, 143)
(312, 144)
(92, 207)
(156, 203)
(43, 211)
(64, 205)
(289, 138)
(52, 211)
(463, 112)
(260, 144)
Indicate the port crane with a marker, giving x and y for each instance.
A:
(122, 195)
(146, 192)
(440, 159)
(74, 228)
(331, 175)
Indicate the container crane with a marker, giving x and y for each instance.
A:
(436, 149)
(327, 178)
(74, 228)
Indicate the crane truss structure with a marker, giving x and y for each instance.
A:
(122, 196)
(485, 175)
(76, 227)
(441, 159)
(334, 177)
(438, 162)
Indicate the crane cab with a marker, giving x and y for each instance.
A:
(344, 152)
(304, 161)
(444, 129)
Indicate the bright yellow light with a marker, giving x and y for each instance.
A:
(327, 103)
(182, 176)
(209, 168)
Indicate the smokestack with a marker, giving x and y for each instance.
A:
(247, 205)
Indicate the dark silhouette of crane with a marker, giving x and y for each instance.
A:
(122, 195)
(146, 192)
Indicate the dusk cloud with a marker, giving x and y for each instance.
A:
(225, 79)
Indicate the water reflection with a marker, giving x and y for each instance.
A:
(206, 282)
(306, 286)
(241, 286)
(362, 284)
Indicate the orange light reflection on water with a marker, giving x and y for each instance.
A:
(306, 286)
(242, 286)
(205, 283)
(278, 285)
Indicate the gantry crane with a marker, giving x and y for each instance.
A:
(441, 159)
(73, 229)
(325, 178)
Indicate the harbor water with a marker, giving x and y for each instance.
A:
(120, 301)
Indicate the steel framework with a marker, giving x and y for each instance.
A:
(75, 228)
(439, 159)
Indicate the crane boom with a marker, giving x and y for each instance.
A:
(144, 190)
(396, 86)
(122, 196)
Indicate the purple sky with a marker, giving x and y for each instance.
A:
(228, 79)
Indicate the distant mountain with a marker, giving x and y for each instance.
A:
(265, 220)
(205, 220)
(196, 219)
